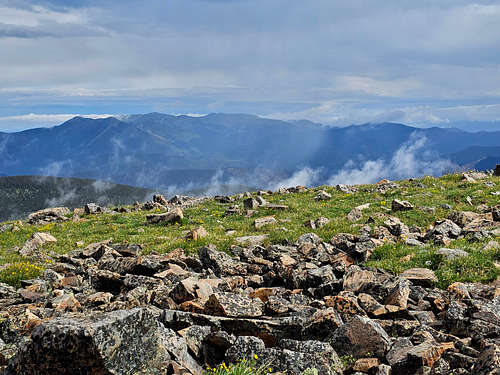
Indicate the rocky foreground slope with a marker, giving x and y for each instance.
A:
(109, 308)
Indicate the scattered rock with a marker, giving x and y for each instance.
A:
(48, 215)
(174, 216)
(452, 254)
(322, 196)
(32, 246)
(92, 208)
(250, 204)
(354, 215)
(251, 240)
(399, 205)
(263, 221)
(198, 233)
(160, 199)
(420, 276)
(109, 308)
(489, 361)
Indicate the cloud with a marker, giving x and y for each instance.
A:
(38, 21)
(101, 186)
(335, 62)
(410, 160)
(56, 168)
(351, 112)
(371, 86)
(305, 177)
(63, 197)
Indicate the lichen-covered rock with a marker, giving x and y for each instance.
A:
(250, 204)
(48, 215)
(399, 294)
(220, 262)
(396, 227)
(361, 337)
(198, 233)
(234, 305)
(291, 356)
(252, 240)
(120, 342)
(354, 215)
(444, 229)
(322, 324)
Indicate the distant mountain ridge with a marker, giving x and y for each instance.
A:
(158, 150)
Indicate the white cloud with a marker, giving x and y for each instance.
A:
(370, 86)
(39, 15)
(304, 177)
(347, 113)
(347, 61)
(410, 160)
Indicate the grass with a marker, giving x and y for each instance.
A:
(428, 192)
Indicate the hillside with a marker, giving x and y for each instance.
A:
(21, 195)
(178, 153)
(477, 157)
(328, 279)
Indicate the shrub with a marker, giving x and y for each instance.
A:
(15, 272)
(243, 367)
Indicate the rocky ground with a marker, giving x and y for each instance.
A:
(109, 308)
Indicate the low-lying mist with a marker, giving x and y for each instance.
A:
(412, 159)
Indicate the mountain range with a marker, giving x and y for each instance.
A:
(158, 151)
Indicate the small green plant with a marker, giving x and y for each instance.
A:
(243, 367)
(310, 371)
(14, 273)
(347, 360)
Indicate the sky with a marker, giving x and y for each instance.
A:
(336, 62)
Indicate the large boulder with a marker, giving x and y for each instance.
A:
(234, 305)
(32, 246)
(120, 342)
(420, 276)
(445, 229)
(48, 215)
(291, 356)
(219, 262)
(174, 216)
(361, 337)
